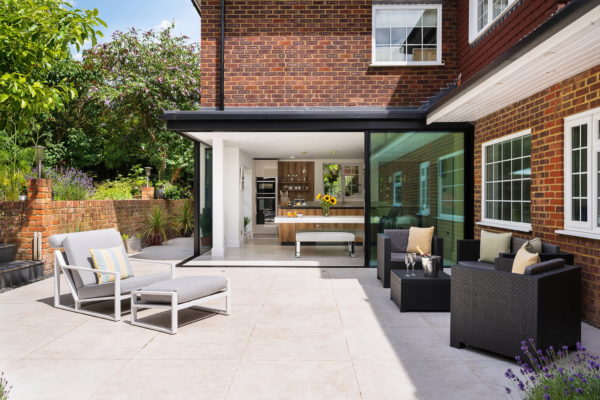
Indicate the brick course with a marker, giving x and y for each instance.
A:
(543, 113)
(311, 53)
(41, 214)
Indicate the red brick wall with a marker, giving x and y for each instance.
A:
(543, 113)
(311, 53)
(41, 214)
(522, 20)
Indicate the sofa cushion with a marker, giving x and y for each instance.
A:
(524, 259)
(77, 248)
(421, 238)
(548, 248)
(492, 244)
(476, 264)
(127, 285)
(399, 239)
(534, 245)
(545, 266)
(188, 288)
(112, 259)
(399, 257)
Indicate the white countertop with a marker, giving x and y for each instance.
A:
(319, 219)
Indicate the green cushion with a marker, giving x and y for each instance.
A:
(492, 244)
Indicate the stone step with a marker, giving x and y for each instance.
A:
(19, 272)
(7, 252)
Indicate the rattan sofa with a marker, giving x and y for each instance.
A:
(495, 309)
(468, 253)
(391, 250)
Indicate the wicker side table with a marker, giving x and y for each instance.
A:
(417, 293)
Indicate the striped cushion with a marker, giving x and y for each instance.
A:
(112, 259)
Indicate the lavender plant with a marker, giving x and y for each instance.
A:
(555, 374)
(4, 388)
(70, 184)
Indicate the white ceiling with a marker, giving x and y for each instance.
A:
(572, 50)
(284, 145)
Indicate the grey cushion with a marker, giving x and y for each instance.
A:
(77, 248)
(399, 257)
(548, 248)
(188, 288)
(399, 239)
(477, 264)
(127, 285)
(545, 266)
(56, 241)
(516, 243)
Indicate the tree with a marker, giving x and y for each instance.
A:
(137, 76)
(35, 36)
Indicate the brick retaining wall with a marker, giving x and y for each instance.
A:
(40, 214)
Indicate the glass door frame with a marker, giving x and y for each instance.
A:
(469, 184)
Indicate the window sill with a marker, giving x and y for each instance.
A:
(519, 227)
(587, 235)
(416, 64)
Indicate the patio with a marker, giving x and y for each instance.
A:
(294, 333)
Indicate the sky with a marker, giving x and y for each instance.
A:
(144, 14)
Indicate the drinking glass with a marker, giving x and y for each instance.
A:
(414, 261)
(407, 262)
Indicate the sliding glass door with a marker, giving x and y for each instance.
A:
(205, 198)
(417, 179)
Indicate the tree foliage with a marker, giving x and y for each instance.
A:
(125, 85)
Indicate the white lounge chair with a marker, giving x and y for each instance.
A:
(82, 279)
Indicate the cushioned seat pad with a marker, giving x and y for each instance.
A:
(399, 257)
(127, 285)
(476, 264)
(188, 288)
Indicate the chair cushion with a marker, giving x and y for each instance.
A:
(399, 257)
(420, 237)
(112, 259)
(399, 239)
(127, 285)
(188, 288)
(77, 248)
(476, 264)
(492, 244)
(524, 259)
(548, 248)
(516, 243)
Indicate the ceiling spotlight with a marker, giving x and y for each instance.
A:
(333, 151)
(304, 153)
(292, 156)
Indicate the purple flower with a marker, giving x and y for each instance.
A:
(546, 396)
(507, 390)
(579, 390)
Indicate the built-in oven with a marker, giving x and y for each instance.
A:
(265, 187)
(265, 209)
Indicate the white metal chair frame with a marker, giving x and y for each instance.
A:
(174, 307)
(60, 265)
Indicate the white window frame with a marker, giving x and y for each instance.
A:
(500, 223)
(590, 227)
(438, 60)
(395, 185)
(474, 32)
(448, 217)
(342, 180)
(424, 187)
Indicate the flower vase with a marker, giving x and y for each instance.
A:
(326, 212)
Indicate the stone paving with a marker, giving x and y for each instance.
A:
(294, 333)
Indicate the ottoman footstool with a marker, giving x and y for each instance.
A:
(178, 294)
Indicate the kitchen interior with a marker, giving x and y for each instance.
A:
(278, 175)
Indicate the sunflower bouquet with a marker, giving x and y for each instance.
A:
(326, 202)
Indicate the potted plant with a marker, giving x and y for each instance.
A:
(206, 228)
(155, 226)
(247, 221)
(183, 221)
(133, 244)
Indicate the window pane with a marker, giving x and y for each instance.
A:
(497, 191)
(516, 212)
(489, 154)
(517, 147)
(506, 153)
(526, 168)
(482, 14)
(415, 36)
(429, 53)
(499, 6)
(497, 152)
(489, 172)
(398, 53)
(583, 156)
(575, 137)
(398, 18)
(575, 161)
(575, 186)
(413, 17)
(429, 35)
(489, 210)
(506, 190)
(527, 145)
(506, 211)
(527, 212)
(429, 18)
(489, 191)
(526, 193)
(583, 135)
(517, 166)
(382, 19)
(583, 185)
(382, 36)
(506, 169)
(398, 36)
(382, 54)
(516, 190)
(497, 171)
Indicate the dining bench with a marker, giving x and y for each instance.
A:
(325, 237)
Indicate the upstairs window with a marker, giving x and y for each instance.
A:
(407, 35)
(483, 13)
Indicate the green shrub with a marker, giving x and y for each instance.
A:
(70, 184)
(174, 192)
(113, 190)
(14, 167)
(156, 225)
(183, 220)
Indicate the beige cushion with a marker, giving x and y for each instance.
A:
(534, 245)
(419, 237)
(524, 259)
(492, 244)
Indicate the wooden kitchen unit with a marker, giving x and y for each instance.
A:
(297, 178)
(287, 231)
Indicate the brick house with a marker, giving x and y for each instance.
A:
(475, 113)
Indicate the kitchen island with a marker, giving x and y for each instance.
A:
(341, 218)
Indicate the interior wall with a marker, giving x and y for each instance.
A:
(237, 201)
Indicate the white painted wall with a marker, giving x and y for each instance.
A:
(236, 202)
(218, 145)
